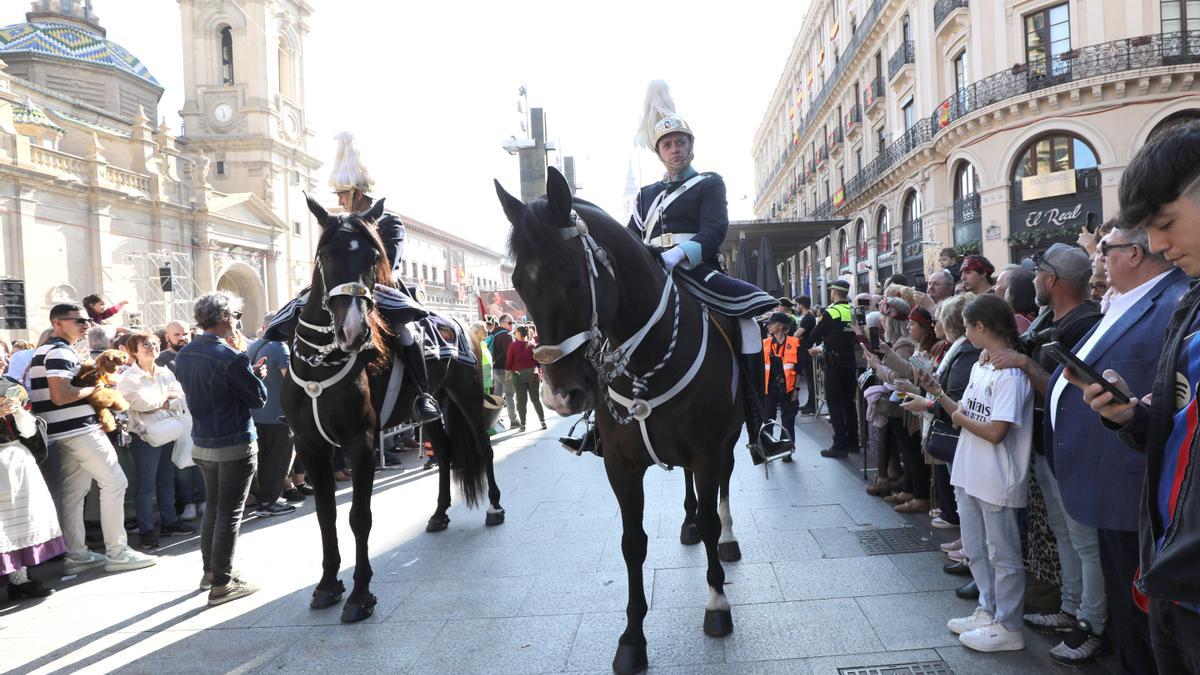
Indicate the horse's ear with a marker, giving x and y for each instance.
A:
(374, 213)
(514, 209)
(558, 193)
(317, 210)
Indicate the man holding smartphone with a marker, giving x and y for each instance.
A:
(1160, 193)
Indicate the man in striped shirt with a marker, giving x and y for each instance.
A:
(86, 452)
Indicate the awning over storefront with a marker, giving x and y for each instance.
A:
(787, 237)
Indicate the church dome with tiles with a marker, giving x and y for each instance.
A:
(63, 47)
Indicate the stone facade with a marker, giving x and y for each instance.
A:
(992, 127)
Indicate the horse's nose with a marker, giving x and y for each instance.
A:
(564, 402)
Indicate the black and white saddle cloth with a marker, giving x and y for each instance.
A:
(722, 293)
(443, 338)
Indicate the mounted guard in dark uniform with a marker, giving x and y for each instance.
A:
(685, 217)
(352, 183)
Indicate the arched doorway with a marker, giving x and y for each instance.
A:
(913, 252)
(884, 256)
(968, 220)
(241, 280)
(862, 256)
(1055, 182)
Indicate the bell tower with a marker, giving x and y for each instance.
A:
(243, 65)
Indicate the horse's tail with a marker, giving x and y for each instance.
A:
(464, 426)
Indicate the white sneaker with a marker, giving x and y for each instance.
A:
(943, 524)
(200, 509)
(129, 559)
(189, 512)
(993, 638)
(979, 619)
(84, 561)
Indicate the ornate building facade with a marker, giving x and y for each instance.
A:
(993, 127)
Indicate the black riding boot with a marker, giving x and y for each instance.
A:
(588, 442)
(425, 408)
(762, 447)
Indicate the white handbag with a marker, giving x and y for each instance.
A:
(181, 454)
(161, 427)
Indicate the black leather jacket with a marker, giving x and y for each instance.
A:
(1174, 572)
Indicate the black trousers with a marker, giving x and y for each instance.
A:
(946, 500)
(785, 402)
(840, 391)
(1127, 623)
(1174, 632)
(274, 460)
(804, 369)
(228, 484)
(916, 471)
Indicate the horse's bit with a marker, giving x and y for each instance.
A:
(612, 363)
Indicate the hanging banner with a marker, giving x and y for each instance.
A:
(1046, 185)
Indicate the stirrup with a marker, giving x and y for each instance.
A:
(764, 434)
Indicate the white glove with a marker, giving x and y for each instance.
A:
(672, 257)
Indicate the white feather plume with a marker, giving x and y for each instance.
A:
(658, 104)
(349, 171)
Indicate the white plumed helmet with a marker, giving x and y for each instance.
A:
(659, 117)
(349, 172)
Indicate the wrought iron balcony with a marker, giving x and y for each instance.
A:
(874, 94)
(905, 55)
(835, 137)
(912, 247)
(1108, 58)
(966, 209)
(944, 8)
(897, 150)
(853, 118)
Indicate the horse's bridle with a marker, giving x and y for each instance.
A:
(612, 363)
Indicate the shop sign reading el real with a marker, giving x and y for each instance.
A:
(1057, 204)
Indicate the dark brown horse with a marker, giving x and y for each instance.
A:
(665, 393)
(339, 375)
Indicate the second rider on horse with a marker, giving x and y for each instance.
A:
(685, 217)
(352, 183)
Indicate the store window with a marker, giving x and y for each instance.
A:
(1056, 152)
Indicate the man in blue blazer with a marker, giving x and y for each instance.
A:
(1099, 478)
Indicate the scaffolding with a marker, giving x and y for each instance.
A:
(164, 287)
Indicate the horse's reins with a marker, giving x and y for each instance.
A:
(612, 363)
(314, 388)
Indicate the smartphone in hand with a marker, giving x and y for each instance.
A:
(1083, 371)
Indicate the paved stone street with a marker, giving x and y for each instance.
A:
(545, 592)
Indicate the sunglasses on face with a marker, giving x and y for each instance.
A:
(78, 321)
(1105, 247)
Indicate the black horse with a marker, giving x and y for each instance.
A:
(339, 375)
(586, 280)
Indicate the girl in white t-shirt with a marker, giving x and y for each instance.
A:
(990, 475)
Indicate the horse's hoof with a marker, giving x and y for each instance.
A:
(494, 518)
(729, 551)
(322, 599)
(437, 523)
(630, 659)
(357, 610)
(689, 534)
(718, 622)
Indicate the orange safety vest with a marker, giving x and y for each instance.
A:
(789, 353)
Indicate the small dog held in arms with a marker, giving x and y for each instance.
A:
(100, 374)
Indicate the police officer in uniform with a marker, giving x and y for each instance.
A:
(351, 181)
(835, 331)
(685, 217)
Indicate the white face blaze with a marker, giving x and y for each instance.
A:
(353, 245)
(352, 324)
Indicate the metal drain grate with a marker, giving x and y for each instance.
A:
(920, 668)
(897, 540)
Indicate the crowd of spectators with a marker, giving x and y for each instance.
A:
(980, 422)
(511, 376)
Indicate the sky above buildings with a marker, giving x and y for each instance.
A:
(430, 89)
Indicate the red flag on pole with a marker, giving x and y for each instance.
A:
(482, 313)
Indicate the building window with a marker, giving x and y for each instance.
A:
(858, 163)
(425, 272)
(960, 71)
(226, 56)
(1178, 16)
(1047, 36)
(966, 181)
(220, 168)
(883, 232)
(287, 77)
(1056, 152)
(906, 29)
(860, 237)
(296, 228)
(909, 112)
(295, 177)
(912, 207)
(880, 139)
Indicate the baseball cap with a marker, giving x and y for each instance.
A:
(1063, 261)
(779, 317)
